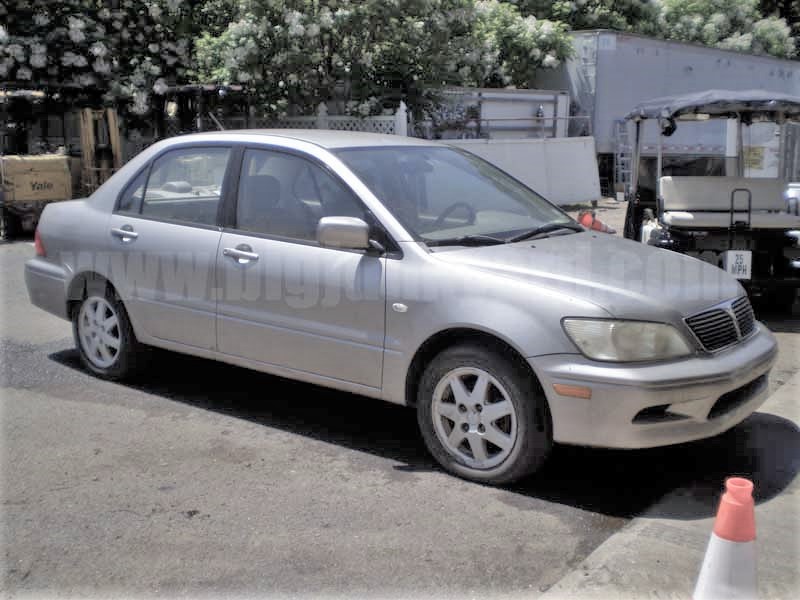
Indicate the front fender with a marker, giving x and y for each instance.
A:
(426, 297)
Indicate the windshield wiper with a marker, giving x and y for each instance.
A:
(549, 228)
(467, 240)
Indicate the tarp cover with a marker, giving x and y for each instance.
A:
(720, 103)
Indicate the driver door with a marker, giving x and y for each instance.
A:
(285, 300)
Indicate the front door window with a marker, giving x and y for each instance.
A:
(284, 195)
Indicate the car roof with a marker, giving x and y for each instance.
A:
(325, 138)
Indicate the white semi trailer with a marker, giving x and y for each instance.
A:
(611, 71)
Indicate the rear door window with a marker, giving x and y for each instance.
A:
(186, 185)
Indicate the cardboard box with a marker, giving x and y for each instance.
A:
(44, 178)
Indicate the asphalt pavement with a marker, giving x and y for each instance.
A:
(208, 479)
(659, 554)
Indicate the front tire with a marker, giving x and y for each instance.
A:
(482, 416)
(104, 336)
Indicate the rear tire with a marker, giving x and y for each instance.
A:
(103, 334)
(483, 417)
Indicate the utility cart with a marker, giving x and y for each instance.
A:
(735, 222)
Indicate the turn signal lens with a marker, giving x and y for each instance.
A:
(38, 245)
(575, 391)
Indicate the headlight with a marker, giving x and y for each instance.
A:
(626, 341)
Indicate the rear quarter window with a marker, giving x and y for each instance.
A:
(130, 201)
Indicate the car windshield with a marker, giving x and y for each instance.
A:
(444, 195)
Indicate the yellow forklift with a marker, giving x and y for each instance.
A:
(35, 173)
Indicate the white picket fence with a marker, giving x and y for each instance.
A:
(396, 124)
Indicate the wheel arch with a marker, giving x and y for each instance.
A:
(84, 282)
(453, 336)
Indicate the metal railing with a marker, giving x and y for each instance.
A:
(537, 127)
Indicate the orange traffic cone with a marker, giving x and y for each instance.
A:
(588, 219)
(729, 567)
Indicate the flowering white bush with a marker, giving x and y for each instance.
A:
(91, 43)
(731, 24)
(366, 54)
(517, 46)
(297, 53)
(744, 25)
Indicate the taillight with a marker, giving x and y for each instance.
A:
(37, 244)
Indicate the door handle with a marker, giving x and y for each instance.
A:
(242, 254)
(125, 233)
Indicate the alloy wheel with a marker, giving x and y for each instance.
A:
(99, 331)
(474, 417)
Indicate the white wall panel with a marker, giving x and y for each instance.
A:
(563, 170)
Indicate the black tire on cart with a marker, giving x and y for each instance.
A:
(9, 225)
(783, 299)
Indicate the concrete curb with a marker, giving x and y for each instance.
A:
(657, 557)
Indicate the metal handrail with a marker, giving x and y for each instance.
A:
(749, 206)
(534, 123)
(732, 228)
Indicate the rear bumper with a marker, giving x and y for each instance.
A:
(657, 404)
(47, 286)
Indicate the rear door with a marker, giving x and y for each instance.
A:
(165, 235)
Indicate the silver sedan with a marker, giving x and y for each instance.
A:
(406, 271)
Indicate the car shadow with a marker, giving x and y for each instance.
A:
(764, 448)
(616, 483)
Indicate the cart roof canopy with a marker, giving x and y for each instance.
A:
(720, 104)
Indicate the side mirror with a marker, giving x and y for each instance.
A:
(343, 232)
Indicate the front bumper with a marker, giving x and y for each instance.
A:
(47, 286)
(648, 405)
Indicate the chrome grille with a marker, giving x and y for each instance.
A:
(722, 326)
(714, 328)
(744, 316)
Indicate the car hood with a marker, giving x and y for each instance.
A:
(626, 278)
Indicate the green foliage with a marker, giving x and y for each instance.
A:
(621, 15)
